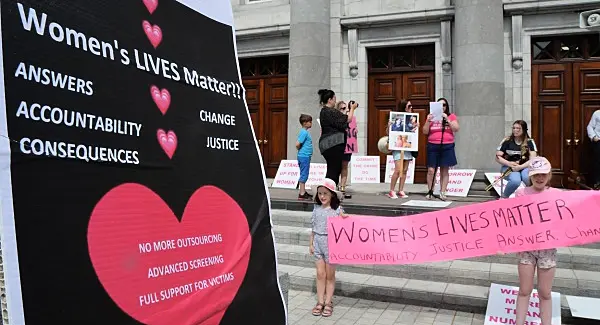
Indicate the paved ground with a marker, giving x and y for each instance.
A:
(350, 311)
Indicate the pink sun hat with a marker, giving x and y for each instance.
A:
(330, 185)
(539, 165)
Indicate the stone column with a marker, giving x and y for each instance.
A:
(479, 77)
(309, 70)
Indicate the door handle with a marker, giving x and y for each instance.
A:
(266, 141)
(568, 142)
(259, 141)
(576, 142)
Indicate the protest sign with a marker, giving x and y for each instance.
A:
(132, 190)
(532, 222)
(502, 303)
(404, 131)
(364, 170)
(499, 186)
(352, 137)
(287, 175)
(459, 182)
(390, 167)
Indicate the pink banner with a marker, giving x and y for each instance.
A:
(525, 223)
(352, 137)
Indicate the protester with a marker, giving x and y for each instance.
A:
(305, 151)
(440, 147)
(400, 171)
(332, 142)
(593, 131)
(327, 205)
(545, 260)
(515, 152)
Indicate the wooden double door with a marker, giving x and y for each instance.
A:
(565, 95)
(386, 90)
(266, 82)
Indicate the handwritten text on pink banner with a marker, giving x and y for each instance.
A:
(352, 137)
(532, 222)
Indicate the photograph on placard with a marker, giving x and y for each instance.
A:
(403, 133)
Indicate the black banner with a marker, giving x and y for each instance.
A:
(135, 183)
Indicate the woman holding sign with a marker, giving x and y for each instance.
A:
(332, 142)
(440, 147)
(401, 158)
(539, 174)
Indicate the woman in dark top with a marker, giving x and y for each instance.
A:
(515, 152)
(332, 142)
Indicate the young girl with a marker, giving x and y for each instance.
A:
(327, 205)
(403, 106)
(545, 260)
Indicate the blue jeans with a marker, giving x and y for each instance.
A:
(304, 164)
(514, 180)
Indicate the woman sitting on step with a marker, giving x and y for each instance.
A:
(515, 152)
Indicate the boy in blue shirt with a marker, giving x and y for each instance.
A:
(305, 149)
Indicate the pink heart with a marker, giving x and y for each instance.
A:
(168, 141)
(153, 32)
(123, 234)
(162, 98)
(151, 5)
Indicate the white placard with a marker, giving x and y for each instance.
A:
(364, 170)
(492, 177)
(390, 167)
(459, 182)
(584, 307)
(287, 175)
(427, 204)
(404, 131)
(316, 174)
(502, 303)
(289, 172)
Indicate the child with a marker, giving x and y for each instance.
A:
(327, 205)
(305, 149)
(545, 260)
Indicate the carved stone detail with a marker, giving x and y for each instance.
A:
(517, 42)
(353, 52)
(446, 45)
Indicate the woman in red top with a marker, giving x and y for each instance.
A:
(440, 147)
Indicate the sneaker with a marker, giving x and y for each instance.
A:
(304, 196)
(402, 195)
(392, 195)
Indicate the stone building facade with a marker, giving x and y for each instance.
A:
(495, 61)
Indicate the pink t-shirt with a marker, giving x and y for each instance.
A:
(435, 131)
(529, 191)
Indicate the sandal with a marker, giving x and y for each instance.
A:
(318, 309)
(328, 310)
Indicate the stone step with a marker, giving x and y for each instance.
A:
(302, 219)
(567, 257)
(567, 281)
(461, 297)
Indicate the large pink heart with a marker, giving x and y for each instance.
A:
(168, 141)
(151, 5)
(153, 32)
(162, 98)
(162, 271)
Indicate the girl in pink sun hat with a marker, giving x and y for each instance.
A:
(327, 205)
(540, 174)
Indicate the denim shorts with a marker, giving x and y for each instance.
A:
(407, 155)
(304, 164)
